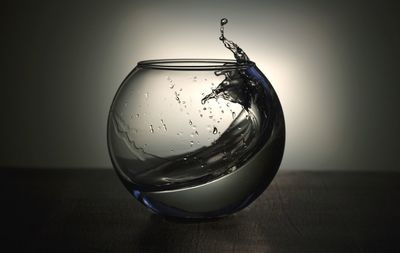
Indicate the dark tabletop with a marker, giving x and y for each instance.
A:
(63, 210)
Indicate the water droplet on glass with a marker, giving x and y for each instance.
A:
(197, 133)
(233, 115)
(215, 130)
(151, 129)
(137, 115)
(177, 97)
(146, 95)
(190, 122)
(164, 125)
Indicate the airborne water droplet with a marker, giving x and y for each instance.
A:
(224, 21)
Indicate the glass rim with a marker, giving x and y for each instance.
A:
(194, 64)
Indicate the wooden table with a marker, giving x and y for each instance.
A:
(73, 210)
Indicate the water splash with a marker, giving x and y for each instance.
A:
(240, 55)
(237, 85)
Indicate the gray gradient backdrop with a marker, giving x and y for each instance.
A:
(334, 65)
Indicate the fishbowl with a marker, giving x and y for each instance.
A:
(196, 138)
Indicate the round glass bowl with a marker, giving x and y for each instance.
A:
(196, 138)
